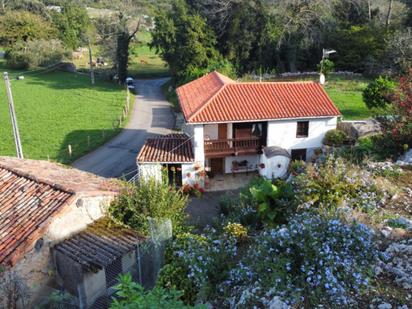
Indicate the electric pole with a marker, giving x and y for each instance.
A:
(16, 134)
(91, 63)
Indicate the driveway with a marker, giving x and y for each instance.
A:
(151, 116)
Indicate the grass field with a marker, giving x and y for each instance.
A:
(347, 95)
(143, 61)
(55, 109)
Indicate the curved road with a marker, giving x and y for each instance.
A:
(151, 116)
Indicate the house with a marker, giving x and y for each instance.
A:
(234, 126)
(41, 204)
(89, 263)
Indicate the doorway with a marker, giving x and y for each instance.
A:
(217, 166)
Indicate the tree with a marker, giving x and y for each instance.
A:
(184, 40)
(34, 53)
(378, 93)
(72, 23)
(24, 26)
(402, 101)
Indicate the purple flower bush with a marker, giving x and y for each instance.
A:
(309, 261)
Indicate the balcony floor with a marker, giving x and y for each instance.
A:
(230, 182)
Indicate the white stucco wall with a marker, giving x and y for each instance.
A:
(211, 131)
(282, 133)
(253, 161)
(150, 170)
(274, 167)
(198, 142)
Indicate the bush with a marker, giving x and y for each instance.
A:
(150, 198)
(132, 295)
(24, 55)
(326, 66)
(195, 264)
(308, 262)
(335, 138)
(334, 183)
(378, 93)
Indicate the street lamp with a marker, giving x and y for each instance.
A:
(325, 55)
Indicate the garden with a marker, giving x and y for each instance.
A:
(337, 232)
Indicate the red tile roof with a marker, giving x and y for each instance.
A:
(172, 148)
(26, 207)
(214, 98)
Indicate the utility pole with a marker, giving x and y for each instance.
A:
(16, 134)
(91, 63)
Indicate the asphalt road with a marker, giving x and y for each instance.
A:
(151, 116)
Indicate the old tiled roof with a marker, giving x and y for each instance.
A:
(32, 194)
(212, 99)
(99, 244)
(26, 208)
(172, 148)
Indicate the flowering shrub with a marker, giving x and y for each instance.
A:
(236, 230)
(195, 190)
(385, 169)
(195, 263)
(335, 183)
(309, 261)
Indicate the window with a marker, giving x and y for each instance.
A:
(298, 154)
(302, 129)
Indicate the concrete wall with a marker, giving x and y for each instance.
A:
(198, 142)
(211, 131)
(150, 170)
(282, 133)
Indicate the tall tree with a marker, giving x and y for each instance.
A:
(72, 23)
(184, 40)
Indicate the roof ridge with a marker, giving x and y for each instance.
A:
(276, 82)
(37, 179)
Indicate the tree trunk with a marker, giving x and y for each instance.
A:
(388, 16)
(369, 10)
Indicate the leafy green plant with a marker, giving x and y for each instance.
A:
(132, 295)
(335, 138)
(326, 66)
(378, 93)
(149, 198)
(271, 200)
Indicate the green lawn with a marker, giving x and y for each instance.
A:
(56, 109)
(143, 61)
(347, 95)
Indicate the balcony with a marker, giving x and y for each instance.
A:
(232, 146)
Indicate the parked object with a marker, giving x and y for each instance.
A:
(360, 128)
(231, 123)
(275, 162)
(130, 83)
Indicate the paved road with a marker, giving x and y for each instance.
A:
(151, 116)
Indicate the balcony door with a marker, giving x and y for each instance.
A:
(222, 131)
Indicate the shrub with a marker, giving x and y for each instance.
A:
(236, 230)
(308, 262)
(271, 201)
(132, 295)
(334, 183)
(378, 93)
(335, 138)
(195, 264)
(36, 53)
(149, 198)
(326, 66)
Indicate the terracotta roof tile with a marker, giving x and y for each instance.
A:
(204, 100)
(172, 148)
(26, 207)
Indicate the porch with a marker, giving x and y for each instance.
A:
(233, 146)
(229, 182)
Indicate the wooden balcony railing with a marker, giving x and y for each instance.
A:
(233, 146)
